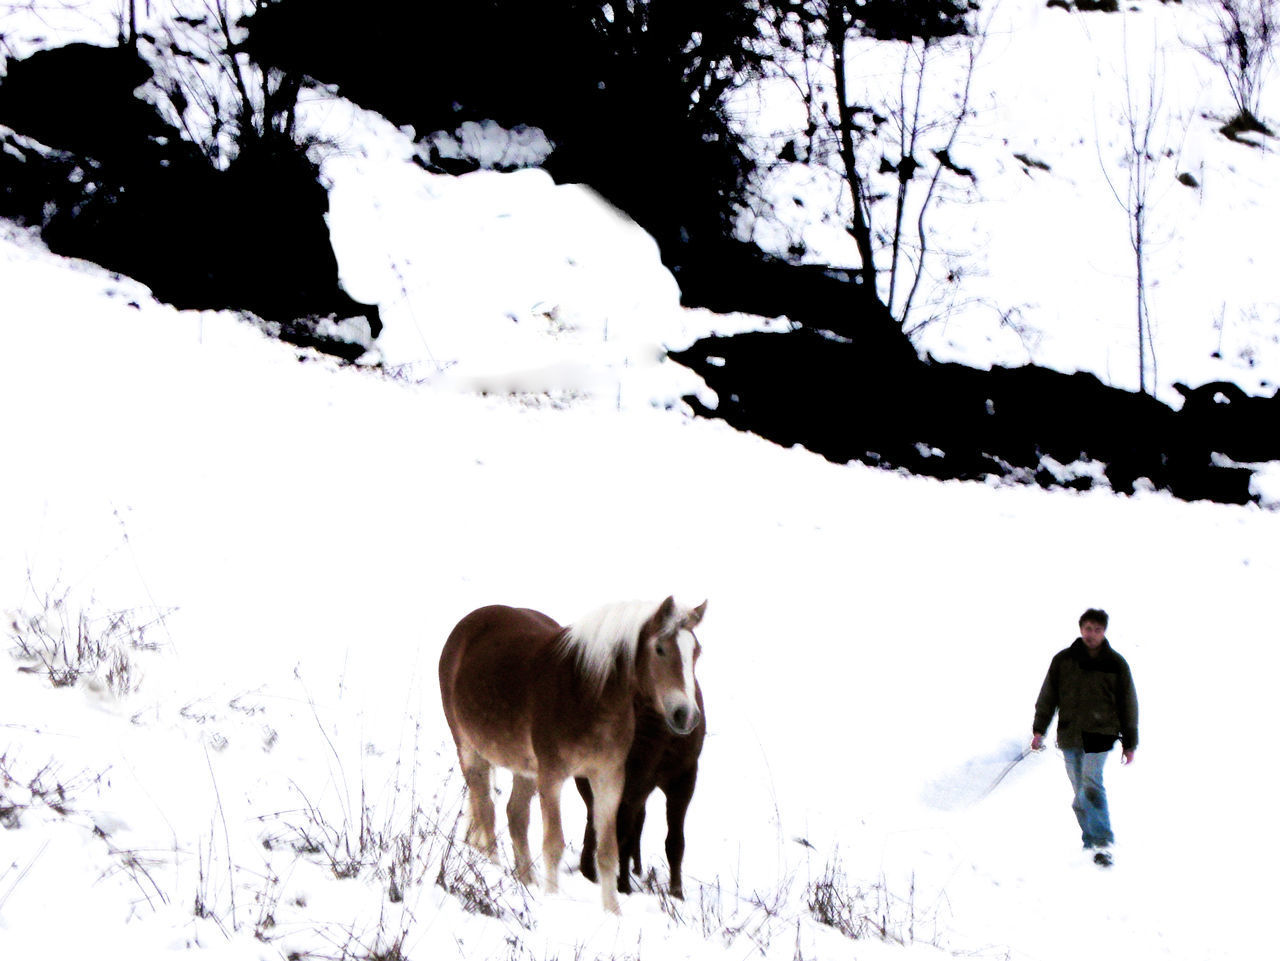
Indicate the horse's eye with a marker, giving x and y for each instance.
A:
(661, 650)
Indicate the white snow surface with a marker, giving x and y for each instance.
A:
(301, 537)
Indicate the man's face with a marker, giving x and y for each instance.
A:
(1093, 634)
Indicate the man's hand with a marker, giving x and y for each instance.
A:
(1037, 742)
(1126, 756)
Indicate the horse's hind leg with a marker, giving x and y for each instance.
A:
(480, 829)
(522, 792)
(588, 863)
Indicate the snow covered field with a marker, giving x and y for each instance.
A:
(873, 647)
(300, 538)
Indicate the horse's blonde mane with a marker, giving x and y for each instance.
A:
(597, 639)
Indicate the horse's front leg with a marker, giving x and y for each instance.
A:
(630, 825)
(679, 793)
(607, 790)
(549, 788)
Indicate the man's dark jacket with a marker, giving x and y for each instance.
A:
(1094, 697)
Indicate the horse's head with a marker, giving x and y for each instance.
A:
(667, 656)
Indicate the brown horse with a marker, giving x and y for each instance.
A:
(550, 703)
(658, 759)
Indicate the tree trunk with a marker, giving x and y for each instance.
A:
(837, 30)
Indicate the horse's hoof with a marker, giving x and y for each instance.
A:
(589, 871)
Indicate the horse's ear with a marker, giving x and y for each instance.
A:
(661, 619)
(666, 610)
(693, 618)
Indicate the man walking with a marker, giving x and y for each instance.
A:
(1091, 689)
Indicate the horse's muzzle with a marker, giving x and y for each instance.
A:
(683, 719)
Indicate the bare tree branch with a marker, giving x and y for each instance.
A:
(962, 112)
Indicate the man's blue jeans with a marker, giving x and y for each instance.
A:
(1090, 804)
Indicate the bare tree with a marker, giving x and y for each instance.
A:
(1145, 122)
(890, 134)
(1242, 45)
(224, 102)
(912, 126)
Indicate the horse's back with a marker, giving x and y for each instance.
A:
(486, 667)
(495, 633)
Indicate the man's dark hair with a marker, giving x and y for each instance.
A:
(1094, 615)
